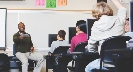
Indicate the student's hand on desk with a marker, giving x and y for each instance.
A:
(32, 49)
(20, 37)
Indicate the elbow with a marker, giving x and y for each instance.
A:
(15, 40)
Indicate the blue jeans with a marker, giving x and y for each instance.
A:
(93, 65)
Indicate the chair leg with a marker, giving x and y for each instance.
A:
(72, 65)
(0, 70)
(46, 66)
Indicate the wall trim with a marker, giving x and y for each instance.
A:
(48, 11)
(36, 49)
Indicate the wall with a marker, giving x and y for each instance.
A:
(72, 5)
(30, 4)
(126, 5)
(36, 18)
(41, 23)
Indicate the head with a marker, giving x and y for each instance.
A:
(101, 8)
(81, 26)
(61, 35)
(21, 27)
(127, 28)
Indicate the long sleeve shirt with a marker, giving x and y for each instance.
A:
(22, 45)
(81, 37)
(58, 43)
(105, 27)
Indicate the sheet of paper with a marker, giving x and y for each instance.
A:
(42, 2)
(50, 3)
(39, 2)
(24, 35)
(62, 2)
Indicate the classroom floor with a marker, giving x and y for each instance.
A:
(10, 53)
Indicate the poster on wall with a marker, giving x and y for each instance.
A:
(62, 2)
(39, 2)
(50, 3)
(3, 18)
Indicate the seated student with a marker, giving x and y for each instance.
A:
(106, 26)
(60, 42)
(81, 35)
(127, 29)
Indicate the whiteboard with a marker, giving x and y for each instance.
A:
(3, 14)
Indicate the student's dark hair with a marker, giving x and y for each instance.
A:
(81, 25)
(62, 34)
(127, 19)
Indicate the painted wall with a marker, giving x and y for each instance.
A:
(40, 23)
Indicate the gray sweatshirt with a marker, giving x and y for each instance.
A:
(105, 27)
(58, 43)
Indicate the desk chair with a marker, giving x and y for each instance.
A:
(53, 61)
(4, 62)
(78, 48)
(81, 60)
(125, 59)
(115, 42)
(32, 63)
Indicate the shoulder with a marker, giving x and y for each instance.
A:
(65, 41)
(73, 38)
(129, 34)
(54, 42)
(27, 34)
(16, 34)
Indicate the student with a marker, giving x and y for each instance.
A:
(127, 29)
(106, 26)
(81, 35)
(60, 42)
(25, 49)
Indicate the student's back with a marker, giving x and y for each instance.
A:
(81, 35)
(106, 26)
(56, 44)
(60, 42)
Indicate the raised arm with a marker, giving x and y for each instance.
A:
(117, 3)
(122, 11)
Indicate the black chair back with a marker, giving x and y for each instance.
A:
(14, 49)
(80, 47)
(61, 50)
(4, 62)
(51, 60)
(115, 42)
